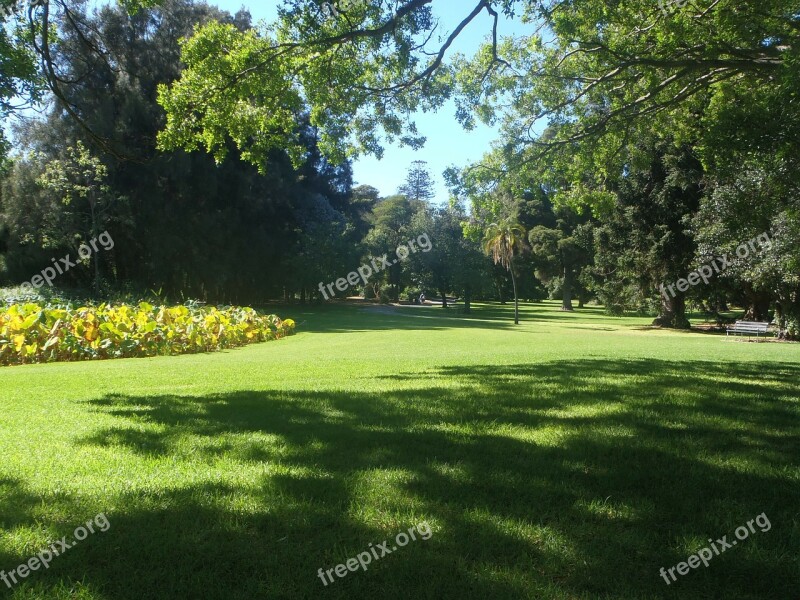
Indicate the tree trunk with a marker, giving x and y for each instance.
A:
(787, 314)
(673, 312)
(566, 290)
(303, 295)
(96, 273)
(395, 274)
(96, 255)
(467, 300)
(498, 283)
(516, 299)
(758, 304)
(780, 317)
(444, 298)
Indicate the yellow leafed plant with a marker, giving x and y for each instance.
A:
(30, 333)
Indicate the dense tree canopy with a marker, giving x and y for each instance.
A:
(186, 226)
(638, 140)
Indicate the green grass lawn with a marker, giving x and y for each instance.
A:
(570, 457)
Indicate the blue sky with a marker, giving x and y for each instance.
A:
(448, 143)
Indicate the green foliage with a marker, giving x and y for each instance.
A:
(80, 183)
(561, 249)
(33, 333)
(391, 220)
(20, 81)
(678, 128)
(596, 72)
(646, 240)
(80, 176)
(369, 292)
(326, 246)
(134, 6)
(30, 52)
(248, 86)
(258, 119)
(411, 294)
(454, 263)
(222, 233)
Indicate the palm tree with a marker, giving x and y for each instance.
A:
(500, 242)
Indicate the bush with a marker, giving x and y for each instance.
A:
(411, 293)
(35, 333)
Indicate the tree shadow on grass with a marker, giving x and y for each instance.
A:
(337, 319)
(576, 479)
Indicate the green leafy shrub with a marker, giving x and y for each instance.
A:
(411, 293)
(36, 333)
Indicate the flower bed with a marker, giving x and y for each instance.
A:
(36, 333)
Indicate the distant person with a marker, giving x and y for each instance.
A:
(422, 298)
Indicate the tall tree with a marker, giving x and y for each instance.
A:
(757, 201)
(252, 227)
(501, 241)
(453, 263)
(561, 252)
(419, 184)
(80, 182)
(645, 241)
(364, 198)
(391, 222)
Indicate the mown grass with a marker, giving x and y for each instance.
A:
(570, 457)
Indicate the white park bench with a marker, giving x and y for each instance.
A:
(749, 327)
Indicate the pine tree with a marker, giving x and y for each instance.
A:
(419, 183)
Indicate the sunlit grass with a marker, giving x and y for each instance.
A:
(570, 457)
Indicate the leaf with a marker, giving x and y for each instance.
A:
(19, 342)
